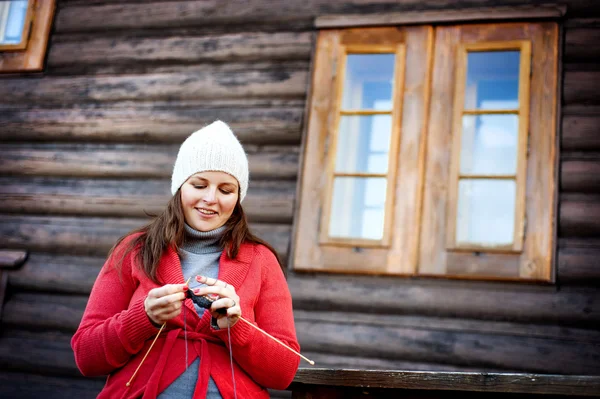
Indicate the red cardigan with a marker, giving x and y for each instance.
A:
(115, 332)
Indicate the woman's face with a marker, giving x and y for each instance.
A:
(208, 199)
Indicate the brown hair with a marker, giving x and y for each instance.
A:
(167, 230)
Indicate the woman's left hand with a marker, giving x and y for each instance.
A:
(226, 297)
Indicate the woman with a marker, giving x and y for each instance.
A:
(202, 235)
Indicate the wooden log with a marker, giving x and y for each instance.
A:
(103, 16)
(579, 215)
(422, 17)
(149, 123)
(129, 160)
(57, 273)
(464, 348)
(235, 47)
(202, 82)
(358, 361)
(35, 386)
(46, 353)
(435, 384)
(267, 201)
(468, 300)
(96, 235)
(581, 88)
(449, 324)
(417, 339)
(582, 45)
(44, 312)
(580, 173)
(580, 133)
(12, 259)
(578, 265)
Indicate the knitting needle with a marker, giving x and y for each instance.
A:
(150, 348)
(276, 340)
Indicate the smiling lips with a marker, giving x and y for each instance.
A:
(206, 212)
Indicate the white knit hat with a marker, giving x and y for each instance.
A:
(212, 148)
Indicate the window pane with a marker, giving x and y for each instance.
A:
(357, 208)
(369, 81)
(486, 211)
(489, 144)
(492, 80)
(12, 20)
(363, 144)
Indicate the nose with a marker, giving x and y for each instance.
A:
(210, 196)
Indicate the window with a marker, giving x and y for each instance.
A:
(24, 30)
(430, 151)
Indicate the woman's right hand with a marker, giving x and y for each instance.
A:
(164, 303)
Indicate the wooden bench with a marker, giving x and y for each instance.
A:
(315, 383)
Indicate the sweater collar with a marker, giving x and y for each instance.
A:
(202, 242)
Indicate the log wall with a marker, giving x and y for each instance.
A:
(86, 151)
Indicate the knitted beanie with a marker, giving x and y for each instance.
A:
(212, 148)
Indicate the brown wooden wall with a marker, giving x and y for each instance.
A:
(87, 147)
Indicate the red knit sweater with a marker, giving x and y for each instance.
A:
(115, 332)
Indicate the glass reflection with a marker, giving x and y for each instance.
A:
(12, 21)
(358, 207)
(369, 81)
(486, 210)
(363, 144)
(492, 80)
(489, 145)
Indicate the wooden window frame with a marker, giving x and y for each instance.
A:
(394, 112)
(420, 243)
(30, 54)
(534, 262)
(309, 252)
(524, 47)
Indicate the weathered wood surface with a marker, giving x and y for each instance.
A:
(267, 201)
(580, 215)
(210, 82)
(254, 46)
(581, 87)
(129, 160)
(506, 346)
(200, 82)
(34, 386)
(96, 235)
(57, 273)
(150, 123)
(582, 45)
(12, 259)
(580, 173)
(422, 17)
(584, 385)
(441, 345)
(46, 353)
(580, 132)
(463, 299)
(193, 13)
(577, 262)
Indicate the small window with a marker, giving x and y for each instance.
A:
(364, 104)
(15, 21)
(24, 31)
(489, 148)
(361, 175)
(431, 152)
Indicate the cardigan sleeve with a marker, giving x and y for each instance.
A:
(266, 361)
(113, 327)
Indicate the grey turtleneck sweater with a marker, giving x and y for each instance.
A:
(200, 254)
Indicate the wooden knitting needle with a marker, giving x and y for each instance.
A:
(276, 340)
(150, 348)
